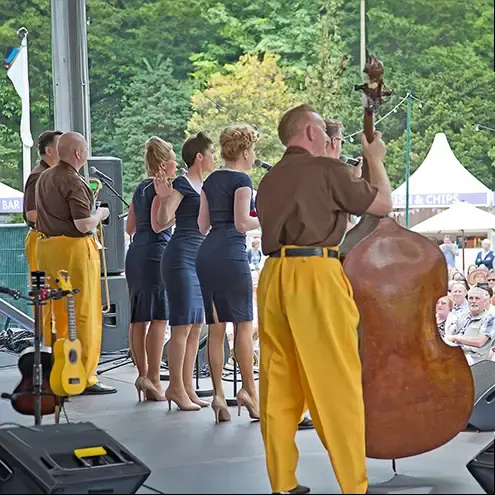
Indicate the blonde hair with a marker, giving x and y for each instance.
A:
(290, 123)
(449, 300)
(235, 139)
(157, 152)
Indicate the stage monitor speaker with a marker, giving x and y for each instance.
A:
(66, 458)
(482, 468)
(116, 322)
(113, 227)
(483, 415)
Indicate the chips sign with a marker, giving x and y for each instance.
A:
(441, 199)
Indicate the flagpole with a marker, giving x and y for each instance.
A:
(363, 36)
(27, 140)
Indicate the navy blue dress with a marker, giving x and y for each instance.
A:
(142, 263)
(179, 260)
(222, 263)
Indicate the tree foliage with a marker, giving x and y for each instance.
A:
(252, 91)
(442, 51)
(154, 104)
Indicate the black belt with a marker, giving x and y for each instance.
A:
(306, 251)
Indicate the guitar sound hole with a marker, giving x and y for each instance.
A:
(72, 356)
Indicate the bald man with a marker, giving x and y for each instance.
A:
(306, 312)
(67, 221)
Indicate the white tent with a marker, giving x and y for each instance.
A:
(11, 200)
(441, 181)
(459, 217)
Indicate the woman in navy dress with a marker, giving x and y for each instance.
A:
(222, 264)
(148, 298)
(179, 268)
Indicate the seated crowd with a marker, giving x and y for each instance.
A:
(466, 316)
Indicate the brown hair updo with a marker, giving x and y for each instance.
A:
(157, 152)
(235, 139)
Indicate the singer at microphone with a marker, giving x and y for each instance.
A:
(100, 175)
(261, 164)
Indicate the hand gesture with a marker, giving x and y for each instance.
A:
(374, 151)
(163, 187)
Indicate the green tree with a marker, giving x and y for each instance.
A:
(324, 78)
(253, 91)
(35, 16)
(155, 104)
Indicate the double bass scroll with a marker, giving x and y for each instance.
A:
(373, 91)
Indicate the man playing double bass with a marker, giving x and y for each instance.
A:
(307, 316)
(66, 221)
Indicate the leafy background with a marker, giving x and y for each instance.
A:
(170, 68)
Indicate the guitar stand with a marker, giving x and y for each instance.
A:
(37, 297)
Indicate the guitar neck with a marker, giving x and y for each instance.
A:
(72, 318)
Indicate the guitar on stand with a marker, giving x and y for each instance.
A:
(33, 395)
(68, 376)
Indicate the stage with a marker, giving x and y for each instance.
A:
(188, 453)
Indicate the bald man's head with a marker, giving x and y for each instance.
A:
(73, 149)
(302, 126)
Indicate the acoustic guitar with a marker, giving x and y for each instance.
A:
(22, 398)
(68, 376)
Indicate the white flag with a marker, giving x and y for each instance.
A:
(17, 63)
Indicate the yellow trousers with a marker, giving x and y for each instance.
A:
(80, 257)
(30, 246)
(309, 357)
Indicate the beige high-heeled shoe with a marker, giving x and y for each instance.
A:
(139, 387)
(183, 407)
(244, 399)
(150, 391)
(194, 398)
(220, 409)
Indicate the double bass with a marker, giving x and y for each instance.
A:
(418, 391)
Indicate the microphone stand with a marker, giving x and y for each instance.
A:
(107, 184)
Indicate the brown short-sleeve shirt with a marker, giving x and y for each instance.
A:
(305, 201)
(62, 196)
(30, 190)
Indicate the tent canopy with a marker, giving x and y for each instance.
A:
(460, 216)
(11, 200)
(441, 181)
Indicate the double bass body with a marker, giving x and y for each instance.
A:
(418, 391)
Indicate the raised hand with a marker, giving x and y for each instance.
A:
(163, 187)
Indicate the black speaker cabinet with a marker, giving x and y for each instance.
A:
(116, 321)
(482, 468)
(113, 227)
(66, 458)
(483, 415)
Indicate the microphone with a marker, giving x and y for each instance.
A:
(349, 160)
(261, 164)
(100, 175)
